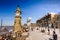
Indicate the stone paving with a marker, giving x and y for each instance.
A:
(37, 35)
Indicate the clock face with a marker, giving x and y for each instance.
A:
(17, 14)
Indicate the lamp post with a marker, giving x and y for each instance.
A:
(1, 22)
(49, 25)
(28, 23)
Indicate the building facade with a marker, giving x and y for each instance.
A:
(51, 19)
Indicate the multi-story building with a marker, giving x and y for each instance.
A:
(33, 25)
(51, 19)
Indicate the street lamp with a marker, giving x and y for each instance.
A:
(28, 23)
(49, 25)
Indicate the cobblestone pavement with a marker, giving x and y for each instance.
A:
(37, 35)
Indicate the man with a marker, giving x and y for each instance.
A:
(54, 36)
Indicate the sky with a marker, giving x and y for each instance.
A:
(35, 9)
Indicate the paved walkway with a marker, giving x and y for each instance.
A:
(37, 35)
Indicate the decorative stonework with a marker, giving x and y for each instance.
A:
(17, 22)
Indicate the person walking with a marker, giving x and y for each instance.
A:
(54, 36)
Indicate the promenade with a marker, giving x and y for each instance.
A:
(38, 35)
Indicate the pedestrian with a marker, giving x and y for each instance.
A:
(37, 29)
(32, 29)
(48, 31)
(54, 36)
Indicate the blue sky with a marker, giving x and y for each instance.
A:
(30, 8)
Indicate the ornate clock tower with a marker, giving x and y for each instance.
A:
(17, 21)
